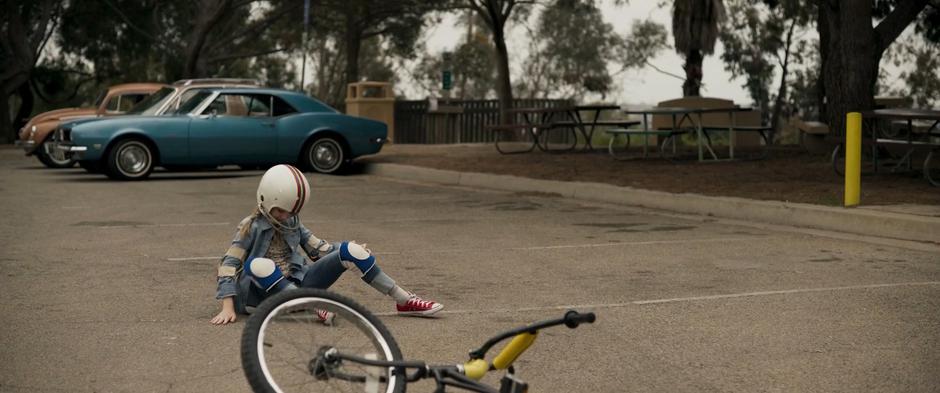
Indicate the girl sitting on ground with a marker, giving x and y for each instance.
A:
(282, 254)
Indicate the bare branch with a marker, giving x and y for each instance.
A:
(255, 28)
(129, 21)
(679, 77)
(891, 27)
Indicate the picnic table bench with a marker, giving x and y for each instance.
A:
(529, 134)
(539, 123)
(881, 148)
(684, 121)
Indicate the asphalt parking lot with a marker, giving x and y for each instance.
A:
(109, 286)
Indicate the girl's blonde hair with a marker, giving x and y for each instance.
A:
(245, 225)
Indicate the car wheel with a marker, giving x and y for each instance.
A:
(130, 159)
(325, 155)
(54, 158)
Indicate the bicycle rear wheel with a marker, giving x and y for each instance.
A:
(284, 343)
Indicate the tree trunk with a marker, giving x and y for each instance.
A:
(8, 87)
(693, 74)
(9, 133)
(353, 46)
(782, 90)
(851, 66)
(210, 12)
(822, 27)
(503, 83)
(854, 52)
(26, 107)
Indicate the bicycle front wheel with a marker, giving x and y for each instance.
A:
(286, 342)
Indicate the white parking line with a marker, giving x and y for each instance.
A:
(590, 245)
(684, 299)
(196, 224)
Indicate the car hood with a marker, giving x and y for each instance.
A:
(116, 122)
(60, 114)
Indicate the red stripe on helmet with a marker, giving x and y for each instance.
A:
(303, 188)
(300, 186)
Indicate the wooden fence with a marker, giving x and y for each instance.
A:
(456, 121)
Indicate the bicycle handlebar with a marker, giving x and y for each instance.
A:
(574, 318)
(571, 319)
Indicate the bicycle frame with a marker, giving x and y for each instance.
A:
(466, 375)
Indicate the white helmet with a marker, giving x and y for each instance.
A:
(285, 187)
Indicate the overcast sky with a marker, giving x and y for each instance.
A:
(635, 86)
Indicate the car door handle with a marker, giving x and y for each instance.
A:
(268, 123)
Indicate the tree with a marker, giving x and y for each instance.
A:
(24, 31)
(851, 49)
(495, 14)
(471, 64)
(922, 74)
(572, 46)
(172, 39)
(760, 39)
(695, 29)
(922, 80)
(399, 22)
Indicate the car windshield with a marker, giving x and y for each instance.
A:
(150, 105)
(194, 101)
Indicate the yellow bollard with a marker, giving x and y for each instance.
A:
(853, 158)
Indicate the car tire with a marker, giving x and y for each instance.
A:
(51, 158)
(325, 155)
(130, 159)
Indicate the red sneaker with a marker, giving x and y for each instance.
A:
(418, 306)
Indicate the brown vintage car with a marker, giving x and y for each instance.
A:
(117, 99)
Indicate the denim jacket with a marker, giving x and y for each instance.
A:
(255, 244)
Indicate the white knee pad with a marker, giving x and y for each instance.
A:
(266, 275)
(352, 254)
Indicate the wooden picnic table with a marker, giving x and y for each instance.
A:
(680, 115)
(539, 122)
(915, 139)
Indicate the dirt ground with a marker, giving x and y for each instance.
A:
(788, 174)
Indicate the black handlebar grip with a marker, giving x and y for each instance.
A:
(574, 318)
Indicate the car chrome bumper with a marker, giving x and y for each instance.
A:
(71, 148)
(27, 145)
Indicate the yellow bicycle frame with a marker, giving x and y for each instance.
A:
(477, 368)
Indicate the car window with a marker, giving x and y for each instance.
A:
(193, 102)
(185, 97)
(259, 105)
(127, 102)
(219, 106)
(113, 103)
(241, 105)
(281, 107)
(150, 105)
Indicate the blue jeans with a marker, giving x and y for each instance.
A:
(320, 275)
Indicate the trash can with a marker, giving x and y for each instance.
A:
(372, 100)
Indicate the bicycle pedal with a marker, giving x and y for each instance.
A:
(510, 384)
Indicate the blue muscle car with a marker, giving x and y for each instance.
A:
(249, 127)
